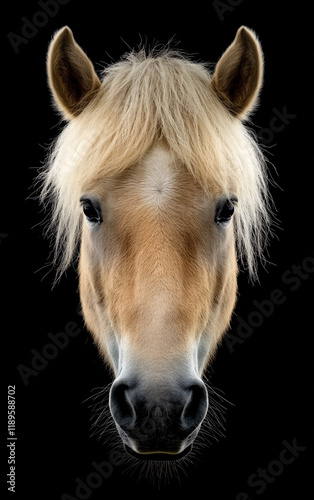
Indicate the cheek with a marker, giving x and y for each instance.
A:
(91, 293)
(225, 295)
(219, 312)
(103, 289)
(87, 296)
(95, 315)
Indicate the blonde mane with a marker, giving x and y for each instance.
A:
(144, 99)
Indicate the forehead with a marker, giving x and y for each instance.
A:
(158, 184)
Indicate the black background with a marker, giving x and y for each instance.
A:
(266, 379)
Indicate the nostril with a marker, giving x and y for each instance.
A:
(195, 408)
(121, 407)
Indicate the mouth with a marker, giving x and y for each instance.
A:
(161, 456)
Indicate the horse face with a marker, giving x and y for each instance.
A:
(158, 286)
(158, 261)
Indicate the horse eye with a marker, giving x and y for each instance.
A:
(91, 211)
(224, 212)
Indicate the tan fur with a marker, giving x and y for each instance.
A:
(174, 253)
(165, 269)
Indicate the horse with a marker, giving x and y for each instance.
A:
(158, 187)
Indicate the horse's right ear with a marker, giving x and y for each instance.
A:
(238, 75)
(71, 75)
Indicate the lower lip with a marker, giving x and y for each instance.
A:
(161, 456)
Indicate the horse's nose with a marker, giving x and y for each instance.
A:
(158, 420)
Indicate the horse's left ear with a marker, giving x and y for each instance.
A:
(72, 78)
(238, 75)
